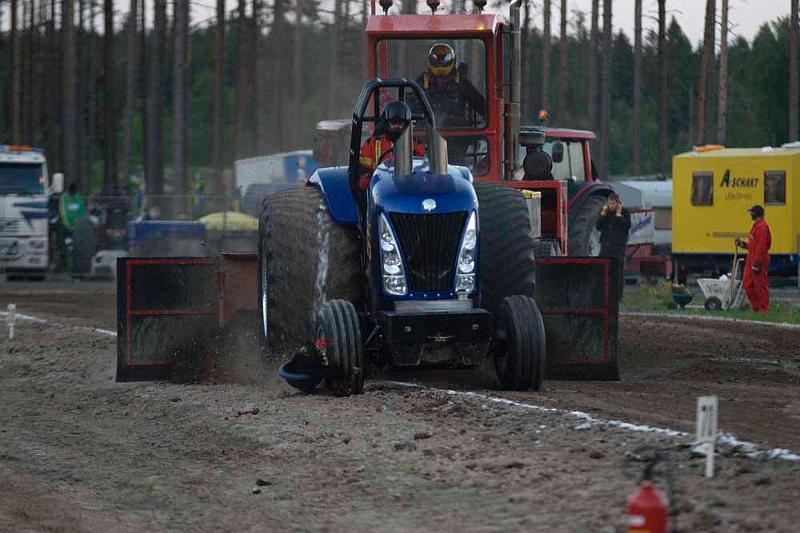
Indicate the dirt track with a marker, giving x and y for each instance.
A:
(79, 452)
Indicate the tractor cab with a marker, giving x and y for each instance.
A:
(456, 70)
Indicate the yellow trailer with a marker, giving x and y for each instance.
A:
(711, 191)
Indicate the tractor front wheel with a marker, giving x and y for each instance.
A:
(519, 346)
(338, 341)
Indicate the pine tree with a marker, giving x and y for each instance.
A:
(663, 142)
(218, 149)
(563, 70)
(109, 107)
(794, 81)
(722, 95)
(68, 92)
(605, 89)
(546, 54)
(591, 86)
(637, 89)
(154, 174)
(130, 89)
(705, 66)
(180, 98)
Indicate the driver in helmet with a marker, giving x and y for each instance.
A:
(449, 89)
(394, 119)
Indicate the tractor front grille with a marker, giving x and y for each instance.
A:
(430, 245)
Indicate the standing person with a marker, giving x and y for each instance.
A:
(756, 267)
(71, 208)
(614, 224)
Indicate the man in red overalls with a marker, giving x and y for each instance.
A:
(754, 279)
(395, 118)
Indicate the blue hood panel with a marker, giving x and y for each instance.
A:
(405, 194)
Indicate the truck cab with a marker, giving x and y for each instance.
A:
(24, 189)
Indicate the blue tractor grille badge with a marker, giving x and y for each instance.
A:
(428, 204)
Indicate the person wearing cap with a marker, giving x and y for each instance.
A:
(754, 278)
(452, 95)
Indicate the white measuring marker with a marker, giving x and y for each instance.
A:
(707, 410)
(10, 318)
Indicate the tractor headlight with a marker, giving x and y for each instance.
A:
(394, 275)
(465, 268)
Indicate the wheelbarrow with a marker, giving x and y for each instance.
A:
(725, 292)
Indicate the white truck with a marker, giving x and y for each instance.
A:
(24, 190)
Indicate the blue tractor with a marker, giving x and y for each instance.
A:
(428, 269)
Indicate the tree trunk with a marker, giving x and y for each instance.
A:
(27, 80)
(109, 107)
(155, 102)
(143, 49)
(546, 53)
(219, 84)
(69, 94)
(705, 65)
(130, 90)
(297, 71)
(591, 93)
(16, 77)
(53, 90)
(255, 80)
(663, 143)
(794, 82)
(637, 89)
(333, 56)
(240, 103)
(563, 69)
(722, 97)
(605, 90)
(526, 60)
(180, 87)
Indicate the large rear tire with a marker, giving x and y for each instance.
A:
(520, 347)
(507, 263)
(338, 333)
(304, 259)
(584, 238)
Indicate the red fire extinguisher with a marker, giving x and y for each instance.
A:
(647, 511)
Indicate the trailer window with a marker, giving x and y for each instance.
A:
(702, 188)
(775, 187)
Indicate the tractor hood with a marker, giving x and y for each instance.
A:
(421, 192)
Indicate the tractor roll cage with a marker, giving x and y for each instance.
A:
(360, 117)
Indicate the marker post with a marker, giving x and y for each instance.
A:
(10, 319)
(707, 411)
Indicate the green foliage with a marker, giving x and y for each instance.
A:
(658, 299)
(757, 109)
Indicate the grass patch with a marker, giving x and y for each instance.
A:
(659, 300)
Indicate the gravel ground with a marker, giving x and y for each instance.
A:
(80, 452)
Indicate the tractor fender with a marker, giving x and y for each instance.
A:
(587, 191)
(334, 185)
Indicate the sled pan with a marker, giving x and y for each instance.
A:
(171, 309)
(579, 301)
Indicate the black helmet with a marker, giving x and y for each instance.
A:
(395, 118)
(757, 210)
